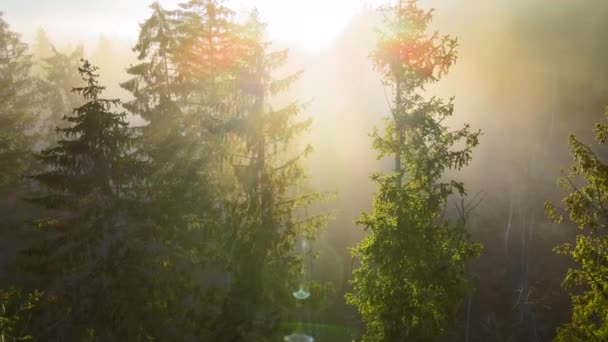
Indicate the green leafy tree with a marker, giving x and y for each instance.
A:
(87, 247)
(411, 279)
(587, 184)
(16, 117)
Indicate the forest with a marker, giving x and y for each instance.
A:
(223, 170)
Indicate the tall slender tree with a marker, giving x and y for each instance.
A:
(154, 85)
(176, 92)
(60, 76)
(412, 279)
(86, 250)
(264, 225)
(16, 93)
(41, 49)
(175, 110)
(221, 177)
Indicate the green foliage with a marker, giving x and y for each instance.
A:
(41, 49)
(15, 312)
(16, 88)
(87, 247)
(587, 184)
(60, 76)
(221, 185)
(182, 188)
(412, 278)
(269, 175)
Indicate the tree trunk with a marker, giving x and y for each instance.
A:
(399, 131)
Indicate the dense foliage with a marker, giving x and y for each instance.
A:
(185, 213)
(585, 205)
(16, 90)
(412, 277)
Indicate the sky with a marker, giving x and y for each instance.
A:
(308, 24)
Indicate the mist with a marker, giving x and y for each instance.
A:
(528, 75)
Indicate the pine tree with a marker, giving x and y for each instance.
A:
(181, 141)
(586, 206)
(215, 182)
(86, 247)
(16, 116)
(105, 57)
(264, 226)
(211, 49)
(154, 84)
(209, 64)
(412, 279)
(163, 91)
(41, 50)
(60, 77)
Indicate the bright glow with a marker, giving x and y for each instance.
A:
(301, 294)
(298, 338)
(307, 24)
(311, 24)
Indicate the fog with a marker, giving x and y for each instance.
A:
(529, 74)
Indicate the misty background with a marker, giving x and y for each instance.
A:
(529, 73)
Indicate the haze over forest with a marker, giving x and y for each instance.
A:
(222, 231)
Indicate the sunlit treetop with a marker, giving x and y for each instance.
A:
(405, 49)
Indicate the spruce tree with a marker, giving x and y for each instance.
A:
(411, 279)
(16, 94)
(60, 76)
(212, 50)
(586, 206)
(176, 136)
(181, 141)
(209, 64)
(41, 49)
(215, 184)
(264, 226)
(86, 250)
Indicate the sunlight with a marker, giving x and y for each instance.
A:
(311, 24)
(303, 170)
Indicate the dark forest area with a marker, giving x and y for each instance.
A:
(438, 171)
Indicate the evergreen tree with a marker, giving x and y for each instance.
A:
(41, 49)
(86, 249)
(211, 50)
(174, 121)
(412, 279)
(42, 46)
(155, 87)
(60, 77)
(105, 57)
(215, 147)
(16, 88)
(209, 64)
(586, 206)
(262, 223)
(184, 97)
(181, 141)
